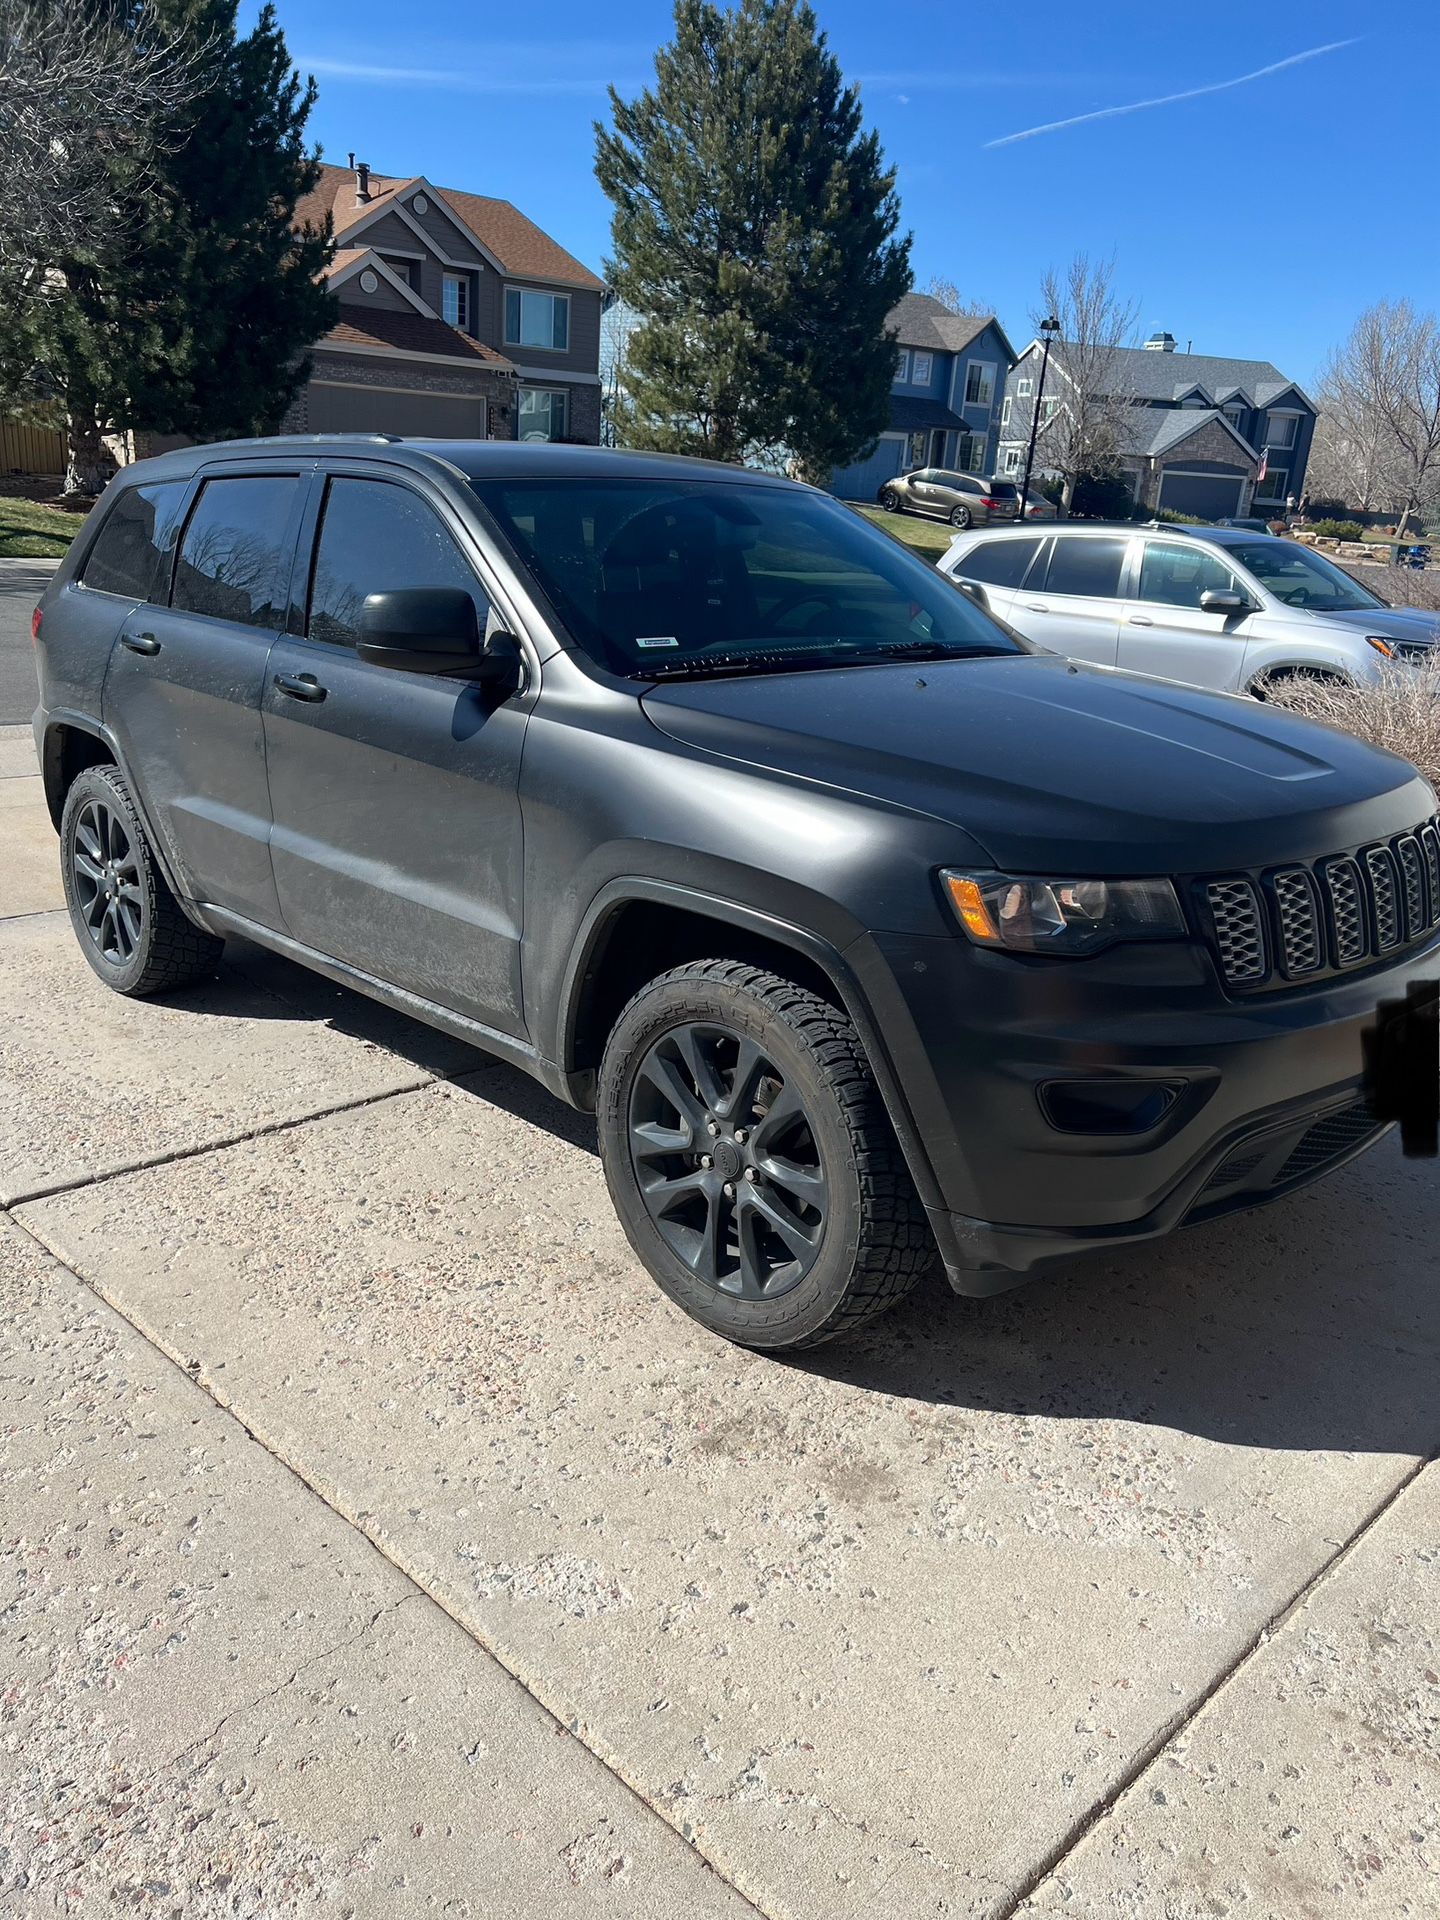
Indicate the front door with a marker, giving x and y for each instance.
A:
(396, 842)
(1164, 629)
(182, 691)
(1073, 608)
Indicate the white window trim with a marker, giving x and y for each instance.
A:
(989, 365)
(1283, 413)
(1005, 411)
(550, 293)
(428, 241)
(917, 378)
(370, 261)
(902, 368)
(561, 392)
(1024, 387)
(463, 304)
(1268, 483)
(1012, 462)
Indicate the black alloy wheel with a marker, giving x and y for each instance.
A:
(105, 873)
(960, 517)
(726, 1161)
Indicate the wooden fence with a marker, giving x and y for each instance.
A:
(35, 452)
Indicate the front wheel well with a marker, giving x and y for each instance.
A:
(642, 939)
(67, 752)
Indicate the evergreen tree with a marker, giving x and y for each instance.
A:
(754, 232)
(193, 316)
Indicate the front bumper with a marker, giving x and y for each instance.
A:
(1269, 1090)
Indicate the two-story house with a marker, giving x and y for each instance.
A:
(1197, 434)
(459, 318)
(950, 371)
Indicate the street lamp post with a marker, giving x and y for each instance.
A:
(1048, 329)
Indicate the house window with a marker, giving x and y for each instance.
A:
(1280, 429)
(921, 367)
(1005, 411)
(979, 384)
(537, 320)
(544, 413)
(970, 452)
(902, 366)
(1011, 461)
(1049, 407)
(403, 270)
(915, 452)
(1275, 485)
(1235, 415)
(455, 301)
(1024, 387)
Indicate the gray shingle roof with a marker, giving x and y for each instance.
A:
(1178, 424)
(1164, 376)
(909, 413)
(920, 320)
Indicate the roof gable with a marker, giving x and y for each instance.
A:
(920, 320)
(351, 261)
(511, 241)
(1183, 423)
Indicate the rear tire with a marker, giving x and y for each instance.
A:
(129, 924)
(960, 517)
(806, 1223)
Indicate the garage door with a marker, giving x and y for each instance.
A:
(865, 479)
(336, 408)
(1210, 496)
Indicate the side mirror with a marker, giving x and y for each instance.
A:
(431, 630)
(1225, 602)
(976, 592)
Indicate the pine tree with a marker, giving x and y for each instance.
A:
(754, 232)
(193, 317)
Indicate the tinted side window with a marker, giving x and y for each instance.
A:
(1090, 566)
(378, 538)
(138, 534)
(235, 558)
(1176, 576)
(1001, 563)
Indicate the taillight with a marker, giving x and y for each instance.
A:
(36, 617)
(989, 503)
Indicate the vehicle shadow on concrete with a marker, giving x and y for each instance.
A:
(1314, 1323)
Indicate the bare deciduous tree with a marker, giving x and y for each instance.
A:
(1379, 441)
(81, 89)
(1083, 424)
(951, 298)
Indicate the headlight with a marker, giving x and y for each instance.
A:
(1061, 916)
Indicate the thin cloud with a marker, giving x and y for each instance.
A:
(1169, 99)
(455, 79)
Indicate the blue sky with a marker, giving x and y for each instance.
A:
(1256, 221)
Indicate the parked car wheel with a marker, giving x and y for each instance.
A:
(751, 1160)
(129, 924)
(960, 517)
(1282, 677)
(889, 500)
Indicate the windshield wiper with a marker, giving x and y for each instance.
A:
(938, 650)
(787, 659)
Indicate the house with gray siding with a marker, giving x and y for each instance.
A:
(458, 318)
(1199, 434)
(950, 372)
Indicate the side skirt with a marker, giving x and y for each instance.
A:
(518, 1053)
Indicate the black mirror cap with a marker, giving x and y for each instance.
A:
(427, 630)
(1221, 600)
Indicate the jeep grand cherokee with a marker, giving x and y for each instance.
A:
(865, 929)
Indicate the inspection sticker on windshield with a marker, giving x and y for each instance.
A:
(658, 640)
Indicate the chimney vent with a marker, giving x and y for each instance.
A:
(1160, 343)
(362, 180)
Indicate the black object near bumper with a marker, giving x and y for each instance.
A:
(1271, 1092)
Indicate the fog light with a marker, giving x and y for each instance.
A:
(1107, 1106)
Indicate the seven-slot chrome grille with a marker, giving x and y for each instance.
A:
(1291, 923)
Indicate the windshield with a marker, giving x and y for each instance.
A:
(659, 578)
(1304, 579)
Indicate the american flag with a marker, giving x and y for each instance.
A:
(1264, 465)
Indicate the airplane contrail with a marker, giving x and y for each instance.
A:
(1168, 99)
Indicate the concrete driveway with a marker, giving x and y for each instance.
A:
(377, 1540)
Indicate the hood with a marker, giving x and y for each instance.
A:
(1390, 623)
(1053, 766)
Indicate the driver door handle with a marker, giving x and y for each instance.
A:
(1037, 606)
(140, 642)
(1140, 620)
(300, 686)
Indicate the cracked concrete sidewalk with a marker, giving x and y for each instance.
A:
(378, 1541)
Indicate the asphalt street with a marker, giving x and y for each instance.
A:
(21, 584)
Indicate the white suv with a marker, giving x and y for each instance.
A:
(1212, 606)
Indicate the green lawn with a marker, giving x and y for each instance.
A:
(928, 538)
(29, 530)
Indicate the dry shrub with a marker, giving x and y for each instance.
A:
(1401, 711)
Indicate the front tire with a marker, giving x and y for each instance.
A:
(751, 1161)
(890, 500)
(129, 925)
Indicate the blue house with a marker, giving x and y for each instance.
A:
(950, 375)
(1197, 434)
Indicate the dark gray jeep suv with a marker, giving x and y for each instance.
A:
(864, 928)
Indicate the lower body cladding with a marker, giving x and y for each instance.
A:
(1057, 1107)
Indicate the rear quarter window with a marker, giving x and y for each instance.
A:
(999, 563)
(132, 550)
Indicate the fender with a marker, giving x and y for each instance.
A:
(70, 717)
(625, 890)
